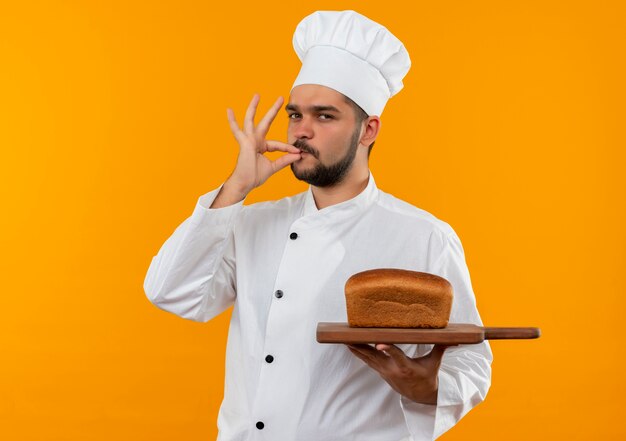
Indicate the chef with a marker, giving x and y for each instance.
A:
(283, 264)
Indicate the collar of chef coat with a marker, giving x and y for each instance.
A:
(312, 216)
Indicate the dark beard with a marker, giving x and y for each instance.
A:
(327, 175)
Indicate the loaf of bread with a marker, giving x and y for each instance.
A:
(397, 298)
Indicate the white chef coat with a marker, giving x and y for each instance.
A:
(283, 265)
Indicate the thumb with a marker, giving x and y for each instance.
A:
(284, 161)
(437, 353)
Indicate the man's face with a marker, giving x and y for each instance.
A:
(323, 126)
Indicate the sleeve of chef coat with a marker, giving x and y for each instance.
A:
(193, 274)
(465, 371)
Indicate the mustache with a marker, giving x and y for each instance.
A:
(302, 145)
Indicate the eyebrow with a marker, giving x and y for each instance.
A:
(295, 108)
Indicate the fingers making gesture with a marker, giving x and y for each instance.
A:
(253, 168)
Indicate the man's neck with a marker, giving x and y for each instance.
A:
(354, 183)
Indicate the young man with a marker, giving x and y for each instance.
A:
(283, 264)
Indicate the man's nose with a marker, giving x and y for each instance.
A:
(303, 128)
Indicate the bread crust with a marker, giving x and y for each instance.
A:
(398, 298)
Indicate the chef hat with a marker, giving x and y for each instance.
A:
(353, 55)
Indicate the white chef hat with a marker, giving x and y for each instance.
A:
(353, 55)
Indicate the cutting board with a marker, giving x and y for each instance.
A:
(454, 333)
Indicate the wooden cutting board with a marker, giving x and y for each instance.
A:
(454, 333)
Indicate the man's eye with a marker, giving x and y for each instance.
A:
(293, 115)
(326, 116)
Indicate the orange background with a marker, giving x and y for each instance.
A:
(113, 122)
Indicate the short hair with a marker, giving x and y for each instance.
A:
(359, 115)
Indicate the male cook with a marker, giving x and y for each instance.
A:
(283, 264)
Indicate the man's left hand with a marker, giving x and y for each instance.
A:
(415, 378)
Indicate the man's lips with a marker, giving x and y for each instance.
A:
(304, 152)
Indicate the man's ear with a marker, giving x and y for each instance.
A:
(370, 132)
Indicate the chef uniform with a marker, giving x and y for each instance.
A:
(283, 265)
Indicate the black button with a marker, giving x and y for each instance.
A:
(278, 294)
(260, 425)
(293, 236)
(269, 358)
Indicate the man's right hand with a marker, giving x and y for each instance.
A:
(253, 168)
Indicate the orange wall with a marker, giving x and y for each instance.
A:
(113, 122)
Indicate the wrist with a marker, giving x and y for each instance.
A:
(233, 186)
(228, 195)
(239, 191)
(426, 393)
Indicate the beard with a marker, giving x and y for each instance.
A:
(327, 175)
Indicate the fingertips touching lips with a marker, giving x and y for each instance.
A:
(304, 149)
